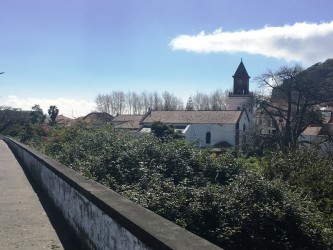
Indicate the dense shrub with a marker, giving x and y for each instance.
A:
(304, 170)
(236, 203)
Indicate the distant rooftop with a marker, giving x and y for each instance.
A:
(190, 117)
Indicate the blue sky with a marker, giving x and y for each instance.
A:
(64, 53)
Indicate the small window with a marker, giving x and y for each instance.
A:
(244, 127)
(208, 137)
(269, 122)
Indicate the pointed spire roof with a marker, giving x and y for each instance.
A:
(241, 71)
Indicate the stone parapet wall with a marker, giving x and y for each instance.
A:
(102, 218)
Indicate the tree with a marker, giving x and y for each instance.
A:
(113, 103)
(164, 131)
(53, 112)
(201, 101)
(157, 101)
(171, 102)
(37, 115)
(294, 100)
(218, 100)
(103, 103)
(189, 104)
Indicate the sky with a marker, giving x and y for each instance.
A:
(66, 52)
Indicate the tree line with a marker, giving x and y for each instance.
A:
(119, 102)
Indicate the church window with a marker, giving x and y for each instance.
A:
(244, 127)
(208, 137)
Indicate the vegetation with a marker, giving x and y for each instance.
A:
(118, 102)
(53, 112)
(281, 199)
(269, 202)
(164, 131)
(36, 115)
(293, 103)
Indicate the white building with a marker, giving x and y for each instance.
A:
(210, 128)
(220, 128)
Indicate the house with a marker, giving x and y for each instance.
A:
(319, 135)
(209, 128)
(14, 115)
(126, 122)
(63, 120)
(97, 118)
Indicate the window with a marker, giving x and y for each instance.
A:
(269, 122)
(244, 127)
(208, 137)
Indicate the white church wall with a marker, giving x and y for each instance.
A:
(224, 132)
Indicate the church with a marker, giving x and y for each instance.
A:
(211, 128)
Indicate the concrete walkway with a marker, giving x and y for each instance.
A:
(24, 224)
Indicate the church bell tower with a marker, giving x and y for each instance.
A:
(240, 93)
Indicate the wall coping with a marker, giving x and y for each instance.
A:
(150, 228)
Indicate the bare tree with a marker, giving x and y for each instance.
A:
(137, 103)
(146, 104)
(171, 102)
(218, 100)
(103, 103)
(201, 101)
(129, 102)
(158, 102)
(113, 103)
(293, 104)
(118, 100)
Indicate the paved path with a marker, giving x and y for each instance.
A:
(24, 224)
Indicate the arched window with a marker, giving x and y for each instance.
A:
(244, 127)
(208, 137)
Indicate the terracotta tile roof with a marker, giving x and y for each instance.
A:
(96, 117)
(312, 131)
(123, 118)
(61, 119)
(190, 117)
(127, 121)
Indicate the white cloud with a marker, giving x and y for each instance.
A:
(302, 42)
(67, 107)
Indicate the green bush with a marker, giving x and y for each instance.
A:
(304, 170)
(236, 203)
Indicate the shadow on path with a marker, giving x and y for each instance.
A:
(66, 234)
